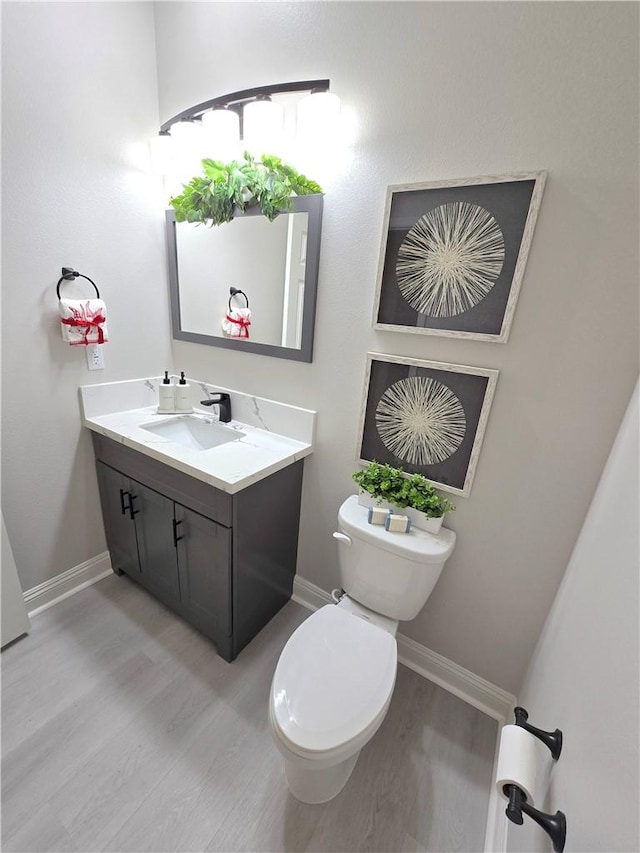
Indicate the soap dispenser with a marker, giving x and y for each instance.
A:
(166, 396)
(183, 396)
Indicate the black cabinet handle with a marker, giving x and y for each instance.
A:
(123, 508)
(176, 538)
(132, 511)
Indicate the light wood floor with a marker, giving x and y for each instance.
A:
(123, 730)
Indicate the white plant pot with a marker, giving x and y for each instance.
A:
(418, 519)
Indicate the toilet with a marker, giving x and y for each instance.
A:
(335, 677)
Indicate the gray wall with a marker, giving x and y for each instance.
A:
(79, 103)
(438, 90)
(571, 682)
(445, 90)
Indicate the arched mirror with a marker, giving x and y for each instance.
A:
(274, 265)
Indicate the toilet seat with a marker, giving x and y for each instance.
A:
(333, 683)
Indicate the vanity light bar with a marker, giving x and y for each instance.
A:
(236, 100)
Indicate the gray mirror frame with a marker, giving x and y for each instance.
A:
(310, 204)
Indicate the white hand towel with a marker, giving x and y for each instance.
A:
(83, 321)
(236, 323)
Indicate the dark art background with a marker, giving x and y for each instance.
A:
(468, 388)
(507, 202)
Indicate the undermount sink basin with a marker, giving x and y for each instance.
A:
(193, 432)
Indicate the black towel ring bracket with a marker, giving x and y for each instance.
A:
(234, 292)
(69, 274)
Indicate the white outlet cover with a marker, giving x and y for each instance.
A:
(95, 357)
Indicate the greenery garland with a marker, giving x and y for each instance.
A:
(385, 482)
(228, 188)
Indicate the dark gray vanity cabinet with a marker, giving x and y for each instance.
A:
(121, 533)
(225, 563)
(181, 557)
(205, 594)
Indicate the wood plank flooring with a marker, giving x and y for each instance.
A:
(122, 730)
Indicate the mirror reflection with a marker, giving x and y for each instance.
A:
(272, 265)
(265, 260)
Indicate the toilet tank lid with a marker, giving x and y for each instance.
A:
(416, 545)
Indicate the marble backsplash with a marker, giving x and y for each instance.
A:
(279, 418)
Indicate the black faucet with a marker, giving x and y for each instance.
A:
(223, 401)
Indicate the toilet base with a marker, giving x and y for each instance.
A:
(320, 785)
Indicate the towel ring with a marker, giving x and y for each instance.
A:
(69, 275)
(234, 292)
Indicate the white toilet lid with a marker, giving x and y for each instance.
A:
(334, 677)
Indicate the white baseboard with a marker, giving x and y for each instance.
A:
(46, 594)
(476, 691)
(308, 594)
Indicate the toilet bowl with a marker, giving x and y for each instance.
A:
(335, 677)
(323, 713)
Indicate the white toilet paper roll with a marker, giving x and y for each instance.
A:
(517, 761)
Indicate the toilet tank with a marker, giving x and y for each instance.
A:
(390, 573)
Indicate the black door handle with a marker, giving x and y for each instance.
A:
(132, 511)
(123, 508)
(176, 538)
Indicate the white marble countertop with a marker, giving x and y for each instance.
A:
(232, 466)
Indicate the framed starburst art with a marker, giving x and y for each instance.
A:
(426, 417)
(453, 255)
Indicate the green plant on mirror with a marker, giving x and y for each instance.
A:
(226, 189)
(390, 484)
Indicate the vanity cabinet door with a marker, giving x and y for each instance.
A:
(115, 493)
(204, 562)
(153, 515)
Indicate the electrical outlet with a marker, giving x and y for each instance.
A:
(95, 357)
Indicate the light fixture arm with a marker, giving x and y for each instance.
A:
(236, 100)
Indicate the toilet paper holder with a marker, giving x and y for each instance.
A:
(552, 740)
(554, 825)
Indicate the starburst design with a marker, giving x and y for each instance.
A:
(420, 420)
(450, 259)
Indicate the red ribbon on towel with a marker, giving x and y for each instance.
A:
(87, 319)
(244, 326)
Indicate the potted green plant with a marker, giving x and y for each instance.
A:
(410, 494)
(226, 189)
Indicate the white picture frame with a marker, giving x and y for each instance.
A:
(453, 255)
(446, 408)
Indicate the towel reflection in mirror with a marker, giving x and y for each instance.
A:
(236, 322)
